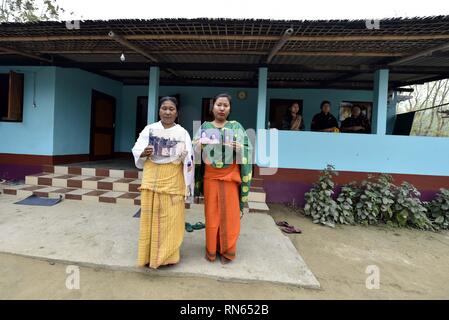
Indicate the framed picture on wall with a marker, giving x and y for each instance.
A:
(346, 107)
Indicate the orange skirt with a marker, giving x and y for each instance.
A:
(222, 206)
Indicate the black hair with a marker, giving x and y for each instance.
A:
(168, 98)
(288, 113)
(295, 102)
(172, 100)
(223, 95)
(323, 103)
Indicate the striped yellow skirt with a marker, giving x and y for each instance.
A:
(162, 216)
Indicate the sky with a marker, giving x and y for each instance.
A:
(265, 9)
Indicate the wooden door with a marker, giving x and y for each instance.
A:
(206, 113)
(102, 126)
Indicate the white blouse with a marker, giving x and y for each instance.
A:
(188, 161)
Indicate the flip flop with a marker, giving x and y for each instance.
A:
(198, 226)
(189, 227)
(291, 229)
(282, 224)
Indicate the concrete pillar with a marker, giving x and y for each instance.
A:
(391, 113)
(153, 94)
(380, 101)
(262, 99)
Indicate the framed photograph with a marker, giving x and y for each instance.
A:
(228, 136)
(166, 144)
(210, 136)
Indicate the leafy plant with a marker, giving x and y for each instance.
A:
(319, 202)
(439, 210)
(29, 10)
(375, 201)
(408, 208)
(346, 203)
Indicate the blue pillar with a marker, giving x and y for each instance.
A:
(380, 101)
(153, 94)
(262, 99)
(391, 113)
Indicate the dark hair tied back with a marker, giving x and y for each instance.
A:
(168, 98)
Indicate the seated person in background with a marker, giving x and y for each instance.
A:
(324, 121)
(356, 123)
(292, 119)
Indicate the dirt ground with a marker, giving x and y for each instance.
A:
(412, 265)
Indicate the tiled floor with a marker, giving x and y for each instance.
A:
(119, 164)
(111, 181)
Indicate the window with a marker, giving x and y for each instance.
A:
(11, 97)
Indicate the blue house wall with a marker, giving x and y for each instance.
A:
(34, 135)
(72, 114)
(60, 124)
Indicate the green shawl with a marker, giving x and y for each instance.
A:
(226, 157)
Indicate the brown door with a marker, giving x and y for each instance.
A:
(206, 110)
(102, 126)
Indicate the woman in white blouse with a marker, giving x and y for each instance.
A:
(164, 152)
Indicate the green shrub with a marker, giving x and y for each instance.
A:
(439, 210)
(375, 201)
(319, 202)
(408, 208)
(346, 203)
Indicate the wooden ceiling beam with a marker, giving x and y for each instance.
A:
(217, 52)
(7, 50)
(120, 39)
(423, 53)
(278, 46)
(349, 38)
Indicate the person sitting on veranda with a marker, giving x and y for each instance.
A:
(293, 119)
(324, 121)
(356, 123)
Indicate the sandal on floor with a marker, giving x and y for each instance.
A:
(282, 224)
(198, 226)
(189, 227)
(291, 229)
(225, 260)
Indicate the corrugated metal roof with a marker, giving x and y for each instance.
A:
(320, 45)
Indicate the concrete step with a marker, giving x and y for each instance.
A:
(105, 185)
(94, 172)
(260, 207)
(256, 197)
(25, 190)
(257, 182)
(257, 189)
(84, 182)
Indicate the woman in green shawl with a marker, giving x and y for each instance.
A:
(224, 178)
